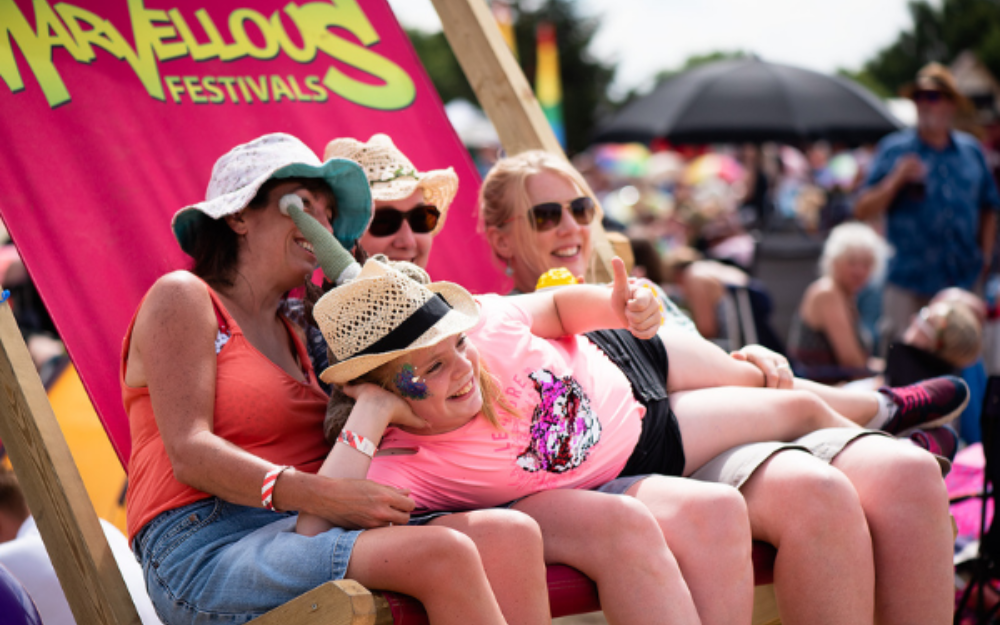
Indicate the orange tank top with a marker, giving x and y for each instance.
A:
(258, 407)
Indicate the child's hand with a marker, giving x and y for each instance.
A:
(636, 306)
(385, 404)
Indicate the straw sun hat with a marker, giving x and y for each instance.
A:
(383, 315)
(937, 77)
(239, 174)
(393, 177)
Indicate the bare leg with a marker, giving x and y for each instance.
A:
(616, 542)
(437, 565)
(707, 529)
(905, 502)
(510, 547)
(824, 572)
(858, 406)
(714, 420)
(698, 364)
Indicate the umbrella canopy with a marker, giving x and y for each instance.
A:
(751, 100)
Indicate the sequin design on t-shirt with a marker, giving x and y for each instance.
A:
(563, 426)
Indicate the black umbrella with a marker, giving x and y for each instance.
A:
(750, 100)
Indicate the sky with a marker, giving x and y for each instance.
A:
(646, 36)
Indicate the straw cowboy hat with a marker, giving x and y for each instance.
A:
(937, 77)
(393, 177)
(383, 315)
(239, 174)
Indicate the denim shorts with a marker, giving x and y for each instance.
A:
(217, 562)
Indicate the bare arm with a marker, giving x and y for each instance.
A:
(173, 344)
(374, 409)
(584, 308)
(702, 299)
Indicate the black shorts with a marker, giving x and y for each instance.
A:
(644, 363)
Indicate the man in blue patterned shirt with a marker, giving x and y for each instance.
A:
(940, 201)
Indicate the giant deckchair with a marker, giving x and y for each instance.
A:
(53, 486)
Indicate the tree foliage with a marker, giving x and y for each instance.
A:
(584, 79)
(937, 34)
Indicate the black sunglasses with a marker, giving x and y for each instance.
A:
(387, 221)
(928, 95)
(548, 215)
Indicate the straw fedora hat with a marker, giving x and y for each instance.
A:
(240, 173)
(393, 177)
(383, 315)
(936, 77)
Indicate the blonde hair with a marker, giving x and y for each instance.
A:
(959, 334)
(503, 198)
(854, 236)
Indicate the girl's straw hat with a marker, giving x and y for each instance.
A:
(240, 173)
(393, 177)
(383, 314)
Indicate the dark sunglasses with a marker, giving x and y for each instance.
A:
(387, 221)
(548, 215)
(928, 95)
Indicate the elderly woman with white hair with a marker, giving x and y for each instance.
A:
(827, 340)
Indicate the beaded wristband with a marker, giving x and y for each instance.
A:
(267, 489)
(358, 442)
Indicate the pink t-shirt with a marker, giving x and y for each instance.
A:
(577, 426)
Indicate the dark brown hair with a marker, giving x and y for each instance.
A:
(215, 246)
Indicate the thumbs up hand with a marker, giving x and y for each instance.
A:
(636, 306)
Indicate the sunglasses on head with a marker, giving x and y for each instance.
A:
(548, 215)
(387, 221)
(928, 95)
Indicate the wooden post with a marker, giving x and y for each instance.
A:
(506, 96)
(54, 490)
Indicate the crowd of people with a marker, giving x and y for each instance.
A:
(907, 229)
(461, 443)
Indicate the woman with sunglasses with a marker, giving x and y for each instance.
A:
(410, 205)
(896, 491)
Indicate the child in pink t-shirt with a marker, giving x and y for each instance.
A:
(507, 398)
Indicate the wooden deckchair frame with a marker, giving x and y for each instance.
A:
(52, 485)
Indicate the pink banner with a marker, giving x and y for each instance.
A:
(115, 111)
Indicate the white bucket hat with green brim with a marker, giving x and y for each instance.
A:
(240, 173)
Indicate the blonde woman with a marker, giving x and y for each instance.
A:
(795, 499)
(827, 337)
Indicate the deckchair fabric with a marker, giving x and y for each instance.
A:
(96, 161)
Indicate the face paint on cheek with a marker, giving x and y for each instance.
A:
(409, 384)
